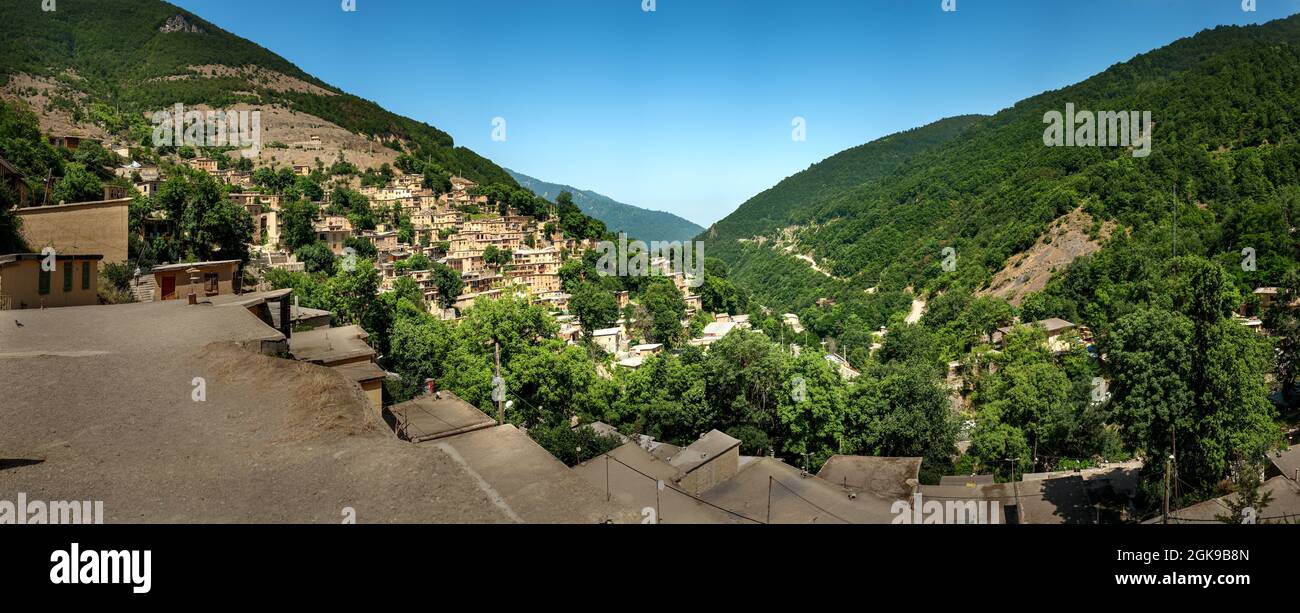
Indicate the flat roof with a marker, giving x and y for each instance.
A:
(24, 257)
(1052, 324)
(1055, 323)
(603, 429)
(429, 418)
(297, 313)
(713, 444)
(1285, 504)
(636, 458)
(1287, 462)
(881, 475)
(663, 451)
(967, 480)
(633, 362)
(275, 441)
(362, 372)
(53, 208)
(251, 298)
(523, 480)
(632, 476)
(1062, 500)
(328, 345)
(189, 265)
(718, 328)
(795, 498)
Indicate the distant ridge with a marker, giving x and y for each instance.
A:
(619, 217)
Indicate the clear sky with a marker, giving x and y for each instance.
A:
(688, 108)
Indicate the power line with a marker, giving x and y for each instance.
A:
(684, 493)
(1284, 517)
(772, 479)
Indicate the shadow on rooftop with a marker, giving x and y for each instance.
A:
(7, 463)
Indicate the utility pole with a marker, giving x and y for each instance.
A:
(659, 518)
(501, 400)
(1035, 450)
(769, 499)
(1173, 456)
(1168, 468)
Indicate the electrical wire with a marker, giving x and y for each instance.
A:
(778, 482)
(687, 494)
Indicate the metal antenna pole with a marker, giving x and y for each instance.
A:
(501, 407)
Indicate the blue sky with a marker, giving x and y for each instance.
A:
(688, 109)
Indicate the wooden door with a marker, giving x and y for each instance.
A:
(169, 287)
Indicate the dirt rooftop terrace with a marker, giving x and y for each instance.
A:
(98, 404)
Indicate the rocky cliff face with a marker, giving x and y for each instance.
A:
(178, 23)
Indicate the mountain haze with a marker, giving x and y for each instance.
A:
(619, 217)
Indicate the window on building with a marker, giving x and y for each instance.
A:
(85, 275)
(67, 277)
(44, 282)
(210, 283)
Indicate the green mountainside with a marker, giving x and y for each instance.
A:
(779, 279)
(118, 54)
(618, 217)
(790, 200)
(1159, 363)
(1224, 104)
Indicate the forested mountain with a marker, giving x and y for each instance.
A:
(775, 276)
(108, 62)
(618, 217)
(936, 212)
(1177, 242)
(790, 200)
(1224, 104)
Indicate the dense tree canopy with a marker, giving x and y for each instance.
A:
(201, 223)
